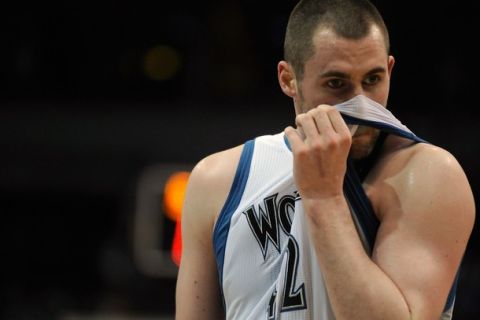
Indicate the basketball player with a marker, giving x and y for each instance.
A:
(348, 215)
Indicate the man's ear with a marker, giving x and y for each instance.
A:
(391, 63)
(287, 79)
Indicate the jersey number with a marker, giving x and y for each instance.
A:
(293, 299)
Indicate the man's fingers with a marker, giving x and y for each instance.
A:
(294, 138)
(322, 121)
(338, 123)
(306, 125)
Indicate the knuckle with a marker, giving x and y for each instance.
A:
(332, 110)
(300, 118)
(301, 153)
(325, 108)
(345, 140)
(318, 146)
(313, 112)
(334, 141)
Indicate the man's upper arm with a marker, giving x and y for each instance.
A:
(198, 293)
(428, 214)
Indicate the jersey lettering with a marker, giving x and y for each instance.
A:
(294, 298)
(265, 226)
(286, 208)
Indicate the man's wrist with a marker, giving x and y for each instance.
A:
(324, 207)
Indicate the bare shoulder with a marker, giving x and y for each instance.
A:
(439, 177)
(422, 175)
(210, 183)
(424, 164)
(427, 160)
(214, 168)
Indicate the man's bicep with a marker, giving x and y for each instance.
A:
(424, 231)
(198, 294)
(418, 270)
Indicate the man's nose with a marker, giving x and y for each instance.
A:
(355, 91)
(358, 90)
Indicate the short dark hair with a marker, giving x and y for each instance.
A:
(351, 19)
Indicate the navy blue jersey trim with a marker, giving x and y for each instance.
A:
(220, 233)
(361, 205)
(452, 293)
(286, 142)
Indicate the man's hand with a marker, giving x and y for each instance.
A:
(320, 147)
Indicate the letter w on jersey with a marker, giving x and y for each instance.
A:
(271, 219)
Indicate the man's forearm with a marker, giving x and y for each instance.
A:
(357, 287)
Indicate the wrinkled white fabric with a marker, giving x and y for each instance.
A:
(364, 108)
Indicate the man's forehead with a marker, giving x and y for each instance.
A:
(334, 53)
(326, 38)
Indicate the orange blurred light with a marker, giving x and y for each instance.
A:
(177, 244)
(174, 194)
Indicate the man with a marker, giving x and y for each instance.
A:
(261, 243)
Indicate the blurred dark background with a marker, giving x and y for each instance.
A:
(94, 93)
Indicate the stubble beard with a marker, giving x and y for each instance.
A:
(363, 142)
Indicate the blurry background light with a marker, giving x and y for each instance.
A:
(161, 63)
(173, 197)
(177, 244)
(174, 194)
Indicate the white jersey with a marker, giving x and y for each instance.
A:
(266, 264)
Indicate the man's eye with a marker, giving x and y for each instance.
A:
(371, 80)
(335, 83)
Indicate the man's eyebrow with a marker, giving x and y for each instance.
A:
(377, 70)
(343, 75)
(335, 74)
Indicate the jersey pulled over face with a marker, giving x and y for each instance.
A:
(341, 69)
